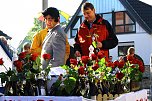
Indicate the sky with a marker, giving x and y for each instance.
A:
(147, 1)
(17, 16)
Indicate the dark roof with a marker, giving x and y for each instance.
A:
(141, 12)
(7, 50)
(74, 17)
(5, 47)
(5, 35)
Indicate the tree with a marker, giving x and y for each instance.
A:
(37, 27)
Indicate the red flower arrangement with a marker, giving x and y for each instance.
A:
(27, 68)
(96, 69)
(93, 70)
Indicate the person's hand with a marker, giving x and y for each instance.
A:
(99, 45)
(77, 54)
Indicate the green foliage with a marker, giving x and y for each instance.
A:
(3, 77)
(36, 28)
(69, 84)
(29, 37)
(111, 75)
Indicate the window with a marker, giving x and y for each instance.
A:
(124, 24)
(119, 18)
(74, 32)
(75, 25)
(120, 21)
(123, 47)
(108, 17)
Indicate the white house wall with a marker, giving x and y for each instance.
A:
(114, 53)
(139, 29)
(6, 59)
(142, 43)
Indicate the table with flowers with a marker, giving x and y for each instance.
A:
(87, 76)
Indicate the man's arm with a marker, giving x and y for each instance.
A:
(67, 50)
(112, 40)
(59, 44)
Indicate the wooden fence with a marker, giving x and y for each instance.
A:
(106, 97)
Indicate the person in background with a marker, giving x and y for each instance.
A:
(26, 47)
(55, 41)
(94, 29)
(110, 59)
(71, 56)
(131, 51)
(121, 58)
(3, 39)
(36, 46)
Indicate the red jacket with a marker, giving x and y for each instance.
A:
(100, 27)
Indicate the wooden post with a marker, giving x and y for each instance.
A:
(44, 6)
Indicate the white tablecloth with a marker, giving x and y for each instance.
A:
(133, 96)
(43, 98)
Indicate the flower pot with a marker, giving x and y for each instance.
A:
(10, 88)
(119, 88)
(135, 85)
(93, 89)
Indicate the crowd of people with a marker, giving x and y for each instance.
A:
(53, 40)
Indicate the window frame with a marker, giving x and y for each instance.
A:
(113, 23)
(71, 32)
(125, 44)
(124, 23)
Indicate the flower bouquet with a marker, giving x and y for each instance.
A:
(93, 75)
(87, 76)
(27, 74)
